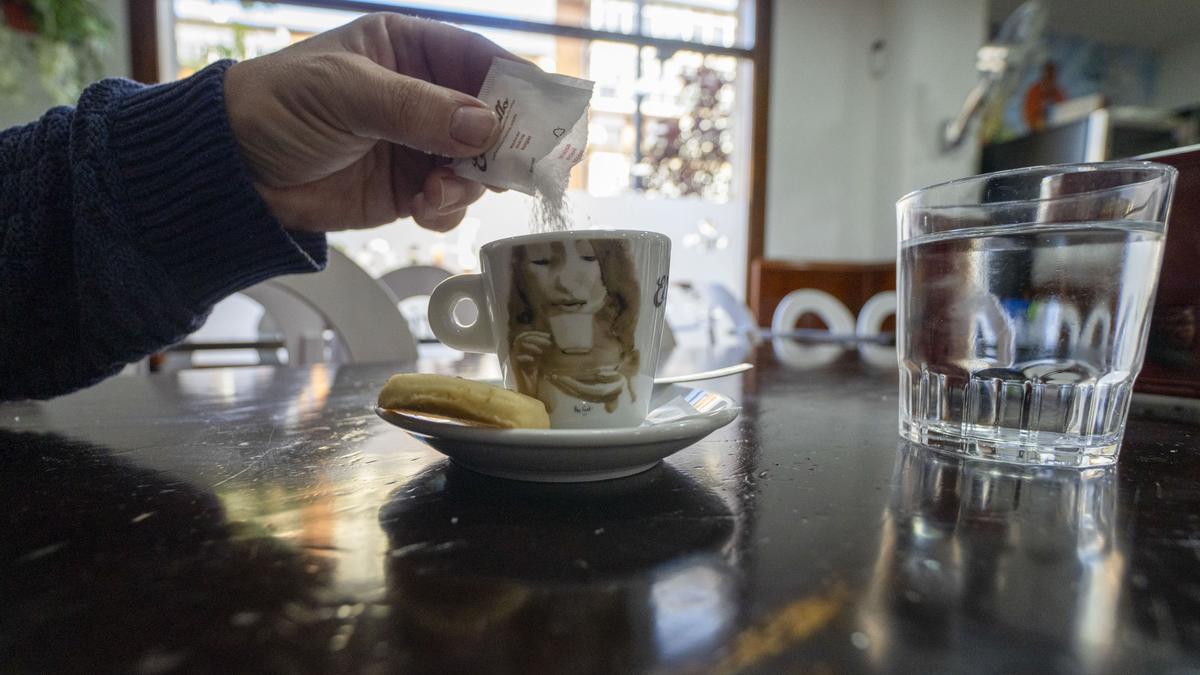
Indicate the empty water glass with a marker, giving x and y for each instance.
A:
(1024, 305)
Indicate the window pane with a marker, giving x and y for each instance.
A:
(668, 131)
(542, 11)
(689, 125)
(210, 30)
(723, 23)
(669, 128)
(712, 22)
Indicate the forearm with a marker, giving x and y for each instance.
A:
(122, 222)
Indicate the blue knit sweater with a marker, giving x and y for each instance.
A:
(122, 221)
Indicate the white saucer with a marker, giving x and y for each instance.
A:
(679, 416)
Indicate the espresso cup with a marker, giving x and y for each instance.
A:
(576, 319)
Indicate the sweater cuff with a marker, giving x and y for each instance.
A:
(190, 192)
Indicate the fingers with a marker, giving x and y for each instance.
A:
(536, 338)
(594, 391)
(449, 192)
(529, 346)
(597, 377)
(604, 376)
(429, 218)
(443, 200)
(449, 56)
(375, 102)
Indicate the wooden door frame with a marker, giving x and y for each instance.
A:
(756, 225)
(143, 40)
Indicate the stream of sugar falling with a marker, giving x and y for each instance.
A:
(551, 211)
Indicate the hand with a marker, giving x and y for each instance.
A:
(528, 347)
(604, 384)
(347, 129)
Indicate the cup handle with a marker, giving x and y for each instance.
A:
(476, 337)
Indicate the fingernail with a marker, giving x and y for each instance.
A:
(452, 193)
(472, 125)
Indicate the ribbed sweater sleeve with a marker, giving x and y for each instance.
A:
(122, 221)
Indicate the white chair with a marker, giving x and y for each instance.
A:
(1097, 329)
(874, 313)
(412, 286)
(666, 341)
(362, 312)
(744, 324)
(1056, 327)
(414, 280)
(870, 323)
(837, 318)
(288, 316)
(802, 356)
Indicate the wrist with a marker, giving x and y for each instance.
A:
(189, 199)
(239, 108)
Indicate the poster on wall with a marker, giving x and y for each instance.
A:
(1073, 68)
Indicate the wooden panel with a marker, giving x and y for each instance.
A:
(852, 283)
(1173, 353)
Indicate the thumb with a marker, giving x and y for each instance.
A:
(383, 104)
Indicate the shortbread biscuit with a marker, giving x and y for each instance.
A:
(463, 399)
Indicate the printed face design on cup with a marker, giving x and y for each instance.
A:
(573, 312)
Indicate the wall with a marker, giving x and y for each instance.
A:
(116, 63)
(931, 69)
(1178, 82)
(823, 131)
(846, 143)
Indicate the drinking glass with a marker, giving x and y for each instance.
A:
(1024, 305)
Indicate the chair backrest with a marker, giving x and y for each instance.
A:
(301, 327)
(359, 309)
(415, 280)
(852, 283)
(875, 312)
(667, 342)
(744, 323)
(412, 286)
(796, 304)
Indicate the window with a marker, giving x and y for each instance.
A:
(670, 123)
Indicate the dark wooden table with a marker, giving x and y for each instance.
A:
(264, 520)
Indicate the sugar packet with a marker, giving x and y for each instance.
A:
(543, 129)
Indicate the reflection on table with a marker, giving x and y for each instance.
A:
(1016, 554)
(263, 519)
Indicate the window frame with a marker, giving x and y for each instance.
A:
(144, 29)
